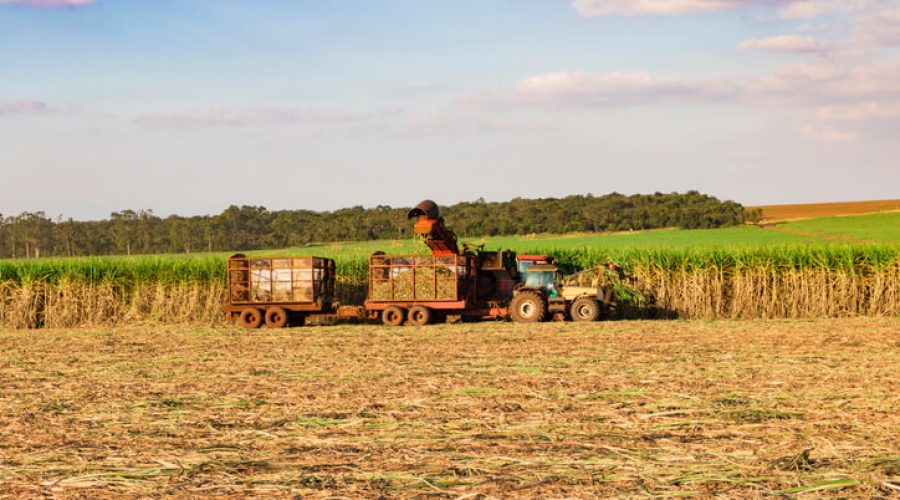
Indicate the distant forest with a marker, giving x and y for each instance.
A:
(33, 234)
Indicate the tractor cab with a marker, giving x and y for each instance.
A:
(538, 272)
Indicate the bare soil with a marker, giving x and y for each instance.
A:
(731, 408)
(776, 213)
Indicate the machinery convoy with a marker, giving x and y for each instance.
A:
(412, 289)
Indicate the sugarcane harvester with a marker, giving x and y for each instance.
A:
(478, 284)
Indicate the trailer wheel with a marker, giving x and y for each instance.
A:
(420, 315)
(528, 307)
(393, 316)
(276, 317)
(251, 318)
(585, 309)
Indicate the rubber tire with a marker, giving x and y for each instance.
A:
(585, 309)
(393, 316)
(276, 317)
(528, 307)
(251, 318)
(420, 316)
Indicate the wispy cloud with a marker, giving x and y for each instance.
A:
(819, 133)
(49, 3)
(24, 108)
(223, 116)
(579, 90)
(787, 9)
(591, 8)
(809, 9)
(828, 83)
(259, 116)
(785, 43)
(828, 94)
(848, 122)
(880, 28)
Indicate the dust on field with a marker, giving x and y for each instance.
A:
(497, 409)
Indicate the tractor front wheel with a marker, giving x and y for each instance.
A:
(420, 316)
(585, 309)
(393, 316)
(528, 307)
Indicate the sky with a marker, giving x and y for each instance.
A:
(189, 106)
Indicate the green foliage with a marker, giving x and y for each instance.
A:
(244, 228)
(882, 228)
(728, 250)
(352, 262)
(117, 270)
(848, 258)
(665, 238)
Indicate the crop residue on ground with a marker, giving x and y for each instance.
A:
(649, 408)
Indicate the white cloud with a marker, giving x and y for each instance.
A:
(785, 43)
(797, 85)
(839, 102)
(616, 89)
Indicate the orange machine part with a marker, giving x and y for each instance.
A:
(439, 238)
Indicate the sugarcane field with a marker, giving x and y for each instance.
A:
(472, 250)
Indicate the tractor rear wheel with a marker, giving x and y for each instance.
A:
(393, 316)
(420, 316)
(585, 309)
(528, 307)
(251, 318)
(276, 317)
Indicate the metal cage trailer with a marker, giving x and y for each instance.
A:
(420, 289)
(282, 291)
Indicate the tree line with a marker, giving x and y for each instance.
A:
(33, 234)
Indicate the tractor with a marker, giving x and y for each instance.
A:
(540, 293)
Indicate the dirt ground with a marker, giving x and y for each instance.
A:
(737, 409)
(775, 213)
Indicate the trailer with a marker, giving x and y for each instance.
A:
(282, 291)
(420, 289)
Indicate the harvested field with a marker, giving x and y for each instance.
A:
(774, 213)
(741, 409)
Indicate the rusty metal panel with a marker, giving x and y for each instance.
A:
(254, 280)
(417, 278)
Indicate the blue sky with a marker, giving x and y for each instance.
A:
(189, 106)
